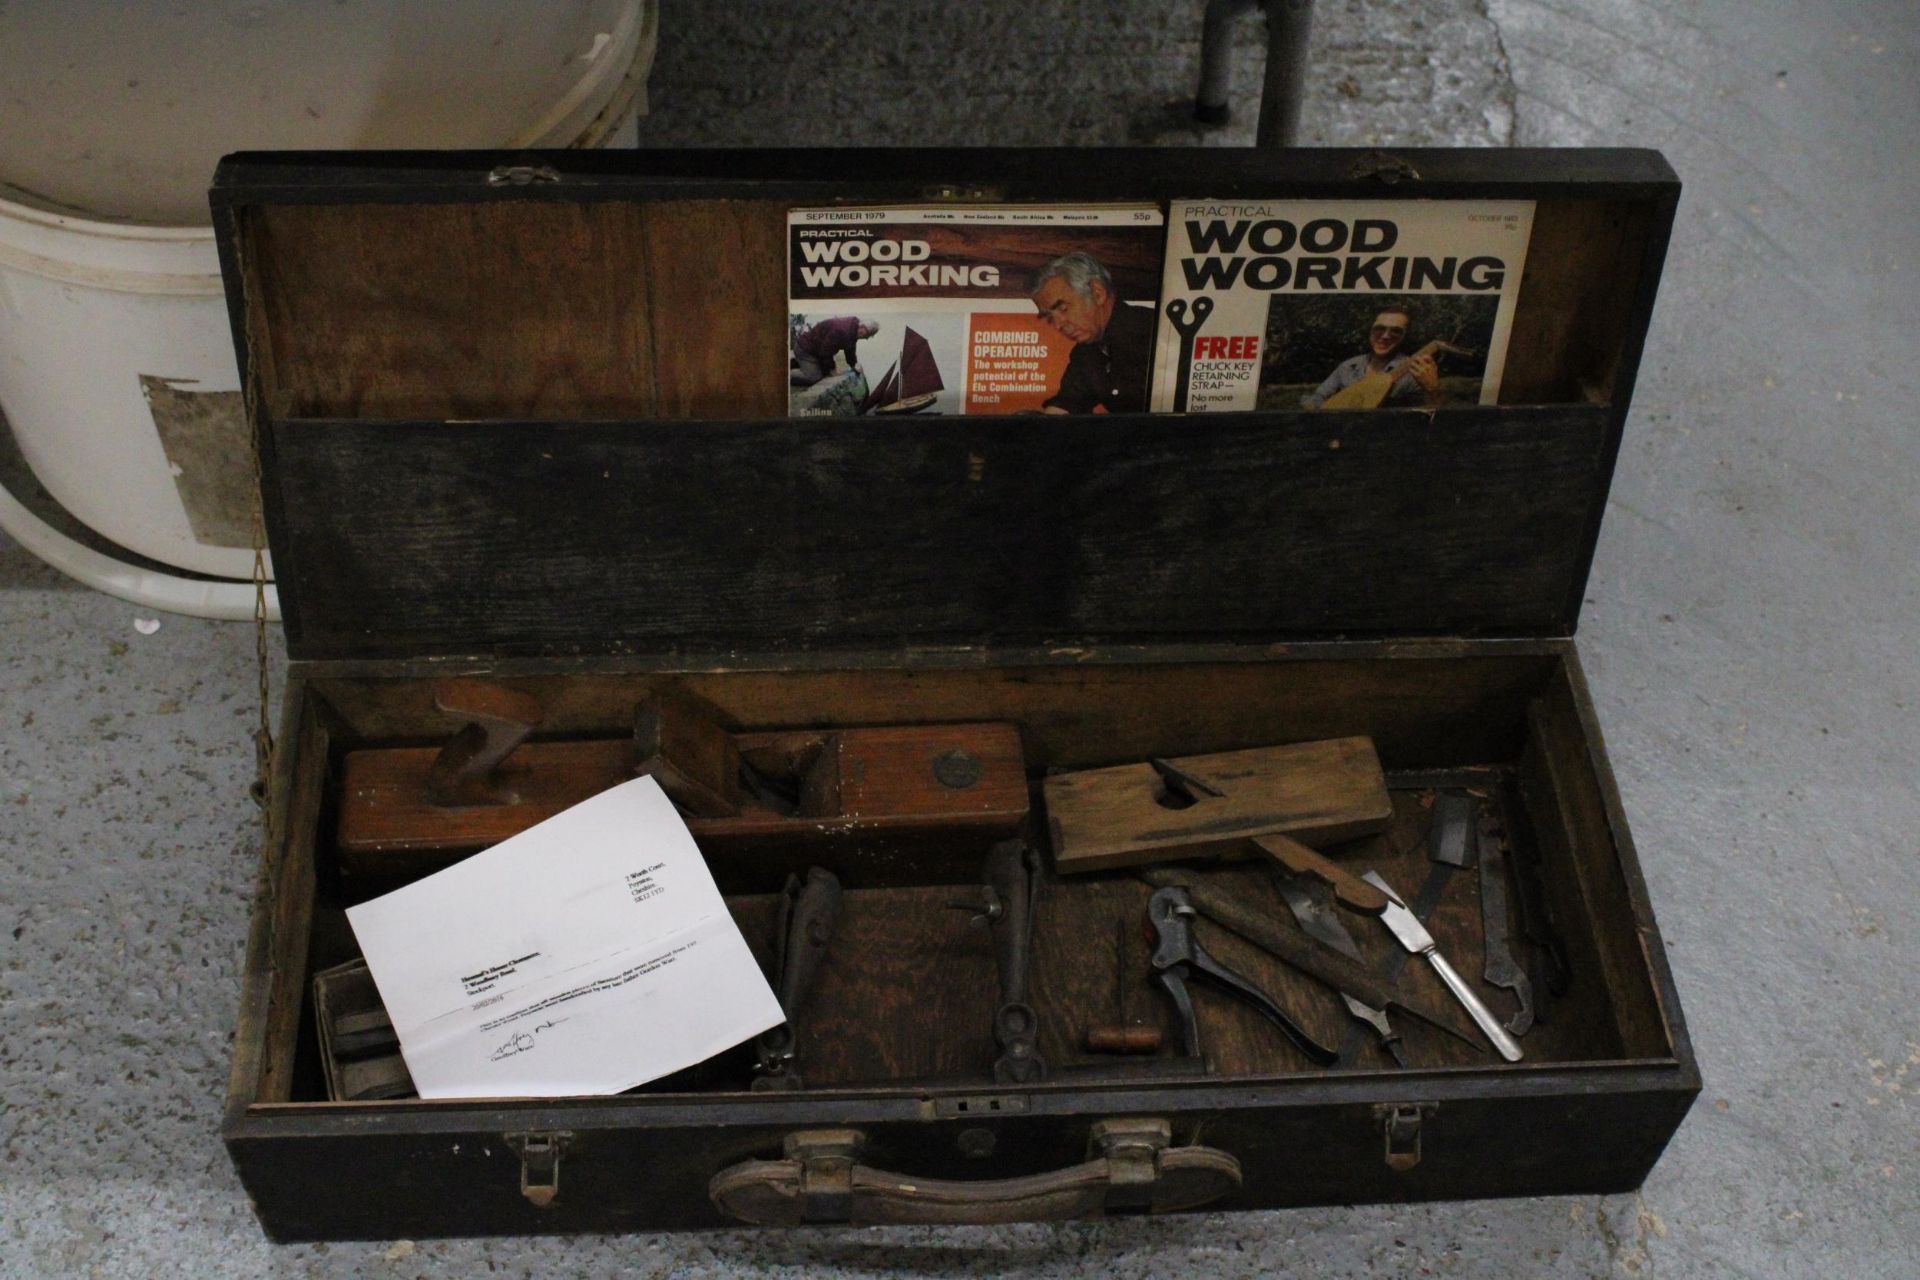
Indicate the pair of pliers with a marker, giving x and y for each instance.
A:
(1178, 957)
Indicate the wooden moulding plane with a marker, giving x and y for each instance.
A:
(410, 810)
(1278, 801)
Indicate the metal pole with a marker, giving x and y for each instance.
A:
(1288, 24)
(1210, 104)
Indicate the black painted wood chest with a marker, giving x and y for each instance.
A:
(522, 417)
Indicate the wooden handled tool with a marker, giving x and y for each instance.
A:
(1354, 893)
(1123, 1038)
(1305, 794)
(794, 794)
(1125, 1034)
(467, 771)
(1319, 962)
(685, 747)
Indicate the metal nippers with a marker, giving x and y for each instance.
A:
(1178, 957)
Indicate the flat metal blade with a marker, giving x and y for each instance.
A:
(1401, 922)
(1448, 838)
(1317, 917)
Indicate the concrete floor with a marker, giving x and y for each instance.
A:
(1747, 633)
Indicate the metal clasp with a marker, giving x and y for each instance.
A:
(522, 175)
(1402, 1123)
(1389, 169)
(825, 1157)
(1131, 1146)
(539, 1164)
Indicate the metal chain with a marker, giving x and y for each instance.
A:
(262, 736)
(265, 893)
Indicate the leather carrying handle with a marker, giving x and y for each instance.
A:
(1133, 1166)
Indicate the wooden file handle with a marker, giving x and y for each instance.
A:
(1351, 890)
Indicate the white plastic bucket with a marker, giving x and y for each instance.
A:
(118, 111)
(116, 357)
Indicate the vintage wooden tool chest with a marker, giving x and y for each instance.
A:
(521, 418)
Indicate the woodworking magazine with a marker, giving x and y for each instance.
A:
(972, 310)
(1337, 304)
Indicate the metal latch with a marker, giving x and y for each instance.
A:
(826, 1158)
(522, 175)
(1132, 1147)
(975, 1104)
(1388, 169)
(539, 1164)
(1402, 1123)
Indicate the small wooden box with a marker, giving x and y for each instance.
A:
(521, 417)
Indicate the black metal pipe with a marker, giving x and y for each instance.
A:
(1289, 22)
(1210, 104)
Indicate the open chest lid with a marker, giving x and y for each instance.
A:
(535, 405)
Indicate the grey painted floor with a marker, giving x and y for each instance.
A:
(1748, 636)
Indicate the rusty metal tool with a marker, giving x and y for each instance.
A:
(1311, 958)
(1322, 923)
(1549, 969)
(1411, 934)
(1178, 957)
(1012, 878)
(808, 912)
(1500, 968)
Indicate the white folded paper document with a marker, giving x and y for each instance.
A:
(586, 955)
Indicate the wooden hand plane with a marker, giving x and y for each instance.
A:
(1276, 801)
(790, 794)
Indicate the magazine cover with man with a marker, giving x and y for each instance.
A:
(978, 309)
(1337, 304)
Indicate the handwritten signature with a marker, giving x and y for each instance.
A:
(520, 1043)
